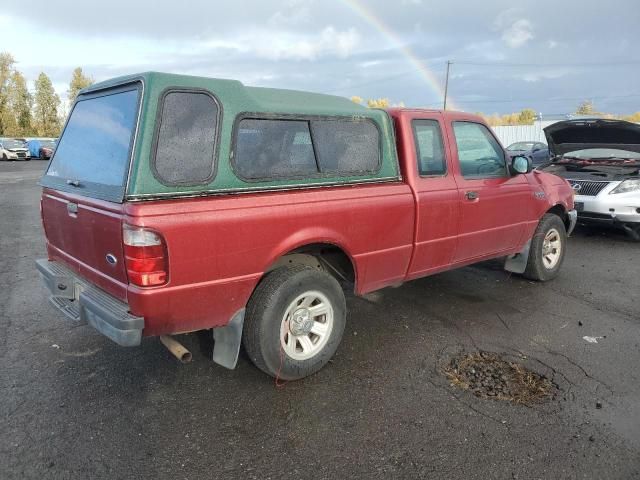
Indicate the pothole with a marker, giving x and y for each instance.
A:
(487, 375)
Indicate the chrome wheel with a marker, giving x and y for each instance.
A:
(306, 325)
(551, 249)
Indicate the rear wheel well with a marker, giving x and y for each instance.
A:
(323, 256)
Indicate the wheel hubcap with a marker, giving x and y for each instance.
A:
(306, 325)
(551, 249)
(301, 322)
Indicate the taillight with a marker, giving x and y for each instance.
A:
(145, 256)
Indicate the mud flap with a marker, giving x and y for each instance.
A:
(517, 263)
(227, 341)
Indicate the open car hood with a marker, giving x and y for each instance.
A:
(573, 135)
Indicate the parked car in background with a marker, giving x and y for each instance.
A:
(13, 149)
(538, 152)
(41, 148)
(210, 205)
(601, 160)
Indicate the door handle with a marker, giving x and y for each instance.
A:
(472, 195)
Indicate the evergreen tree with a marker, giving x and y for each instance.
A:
(6, 69)
(20, 103)
(78, 82)
(46, 105)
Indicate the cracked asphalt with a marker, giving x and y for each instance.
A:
(74, 405)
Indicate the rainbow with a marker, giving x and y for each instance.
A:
(372, 19)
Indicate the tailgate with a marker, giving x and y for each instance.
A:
(85, 183)
(86, 234)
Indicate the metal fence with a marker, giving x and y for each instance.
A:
(509, 134)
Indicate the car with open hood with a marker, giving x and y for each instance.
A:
(13, 149)
(600, 158)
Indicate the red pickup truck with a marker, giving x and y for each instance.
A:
(174, 204)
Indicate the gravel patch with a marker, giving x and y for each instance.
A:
(487, 375)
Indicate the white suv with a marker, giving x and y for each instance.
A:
(13, 149)
(601, 160)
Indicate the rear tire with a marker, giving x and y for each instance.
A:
(294, 322)
(548, 248)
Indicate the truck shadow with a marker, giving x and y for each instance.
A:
(604, 232)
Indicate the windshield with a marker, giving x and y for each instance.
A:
(12, 144)
(519, 146)
(606, 153)
(95, 146)
(47, 144)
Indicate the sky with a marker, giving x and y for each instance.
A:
(506, 55)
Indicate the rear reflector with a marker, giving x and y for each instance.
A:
(145, 256)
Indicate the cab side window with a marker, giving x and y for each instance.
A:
(429, 147)
(479, 153)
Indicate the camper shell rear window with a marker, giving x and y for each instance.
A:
(94, 152)
(269, 147)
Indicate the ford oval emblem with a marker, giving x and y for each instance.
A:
(111, 259)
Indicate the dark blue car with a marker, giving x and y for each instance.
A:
(538, 152)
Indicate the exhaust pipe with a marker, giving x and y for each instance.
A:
(176, 348)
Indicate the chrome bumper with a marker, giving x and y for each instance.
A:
(84, 303)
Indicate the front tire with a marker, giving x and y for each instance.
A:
(548, 248)
(294, 322)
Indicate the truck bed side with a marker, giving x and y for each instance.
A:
(219, 247)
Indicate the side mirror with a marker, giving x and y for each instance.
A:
(520, 164)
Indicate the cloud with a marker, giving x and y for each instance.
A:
(277, 45)
(296, 12)
(516, 30)
(519, 33)
(287, 46)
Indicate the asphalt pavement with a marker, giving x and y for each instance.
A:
(73, 405)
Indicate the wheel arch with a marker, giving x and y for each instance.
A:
(329, 256)
(560, 210)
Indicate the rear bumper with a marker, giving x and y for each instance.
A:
(84, 303)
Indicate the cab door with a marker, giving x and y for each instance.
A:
(494, 205)
(435, 191)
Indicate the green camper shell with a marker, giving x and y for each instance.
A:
(155, 169)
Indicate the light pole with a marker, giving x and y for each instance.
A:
(446, 85)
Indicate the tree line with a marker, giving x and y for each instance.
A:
(37, 114)
(526, 116)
